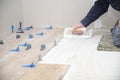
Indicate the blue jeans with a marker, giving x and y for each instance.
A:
(116, 35)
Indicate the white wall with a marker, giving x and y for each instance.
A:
(10, 13)
(62, 13)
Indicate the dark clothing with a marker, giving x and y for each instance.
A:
(99, 8)
(116, 35)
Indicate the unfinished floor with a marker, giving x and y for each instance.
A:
(11, 62)
(86, 63)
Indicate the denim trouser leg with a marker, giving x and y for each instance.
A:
(116, 35)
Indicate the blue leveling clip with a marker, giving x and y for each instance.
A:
(12, 28)
(32, 65)
(40, 34)
(30, 36)
(25, 44)
(15, 50)
(26, 28)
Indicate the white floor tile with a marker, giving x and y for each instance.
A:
(86, 62)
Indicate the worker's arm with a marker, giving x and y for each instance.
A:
(99, 8)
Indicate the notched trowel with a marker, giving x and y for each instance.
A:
(68, 34)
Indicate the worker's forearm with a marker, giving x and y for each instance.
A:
(99, 8)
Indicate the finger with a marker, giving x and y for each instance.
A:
(74, 30)
(79, 32)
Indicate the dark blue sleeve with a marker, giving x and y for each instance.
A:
(99, 8)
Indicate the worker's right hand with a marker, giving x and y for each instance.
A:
(78, 29)
(119, 23)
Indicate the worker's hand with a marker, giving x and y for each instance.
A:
(119, 23)
(78, 29)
